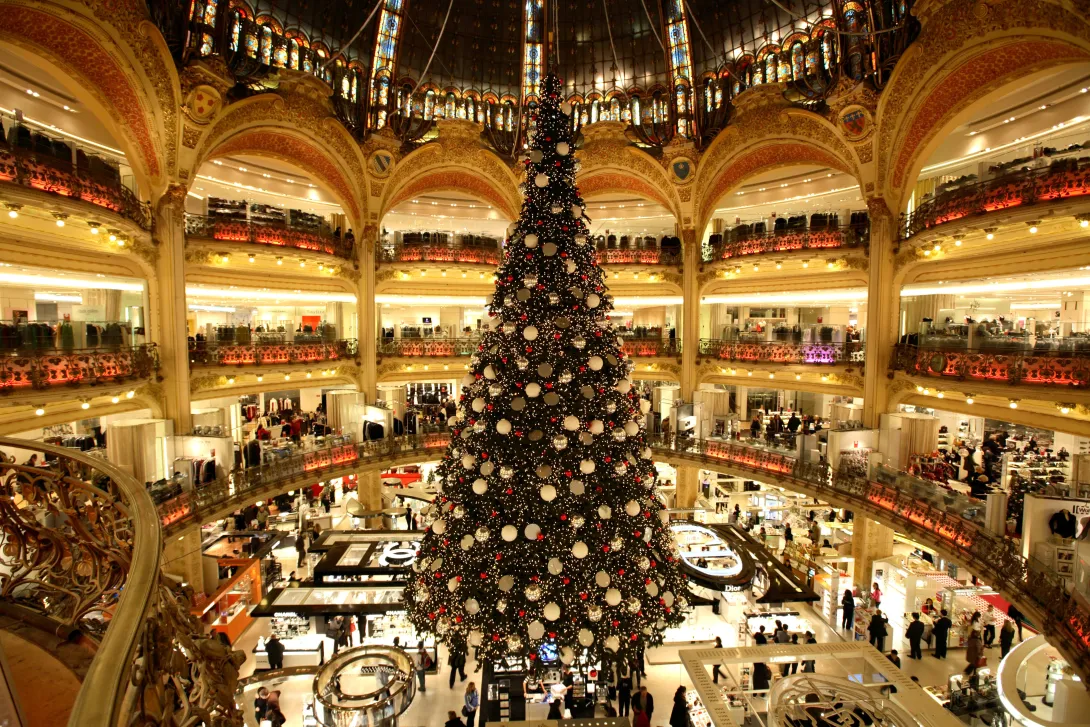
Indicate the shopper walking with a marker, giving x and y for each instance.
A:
(788, 538)
(809, 666)
(261, 703)
(715, 669)
(974, 653)
(275, 651)
(848, 604)
(679, 715)
(624, 691)
(645, 702)
(877, 630)
(472, 702)
(1016, 615)
(988, 619)
(453, 720)
(876, 595)
(1006, 638)
(422, 662)
(457, 659)
(914, 634)
(940, 632)
(640, 718)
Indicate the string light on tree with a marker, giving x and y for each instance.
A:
(547, 529)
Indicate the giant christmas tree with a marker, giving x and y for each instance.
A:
(547, 530)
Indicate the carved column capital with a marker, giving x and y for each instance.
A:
(172, 200)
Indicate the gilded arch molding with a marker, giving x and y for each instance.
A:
(114, 61)
(967, 49)
(456, 157)
(607, 158)
(608, 182)
(297, 126)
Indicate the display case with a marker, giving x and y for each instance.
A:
(383, 628)
(698, 713)
(227, 611)
(793, 620)
(302, 650)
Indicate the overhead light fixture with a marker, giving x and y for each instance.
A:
(60, 218)
(969, 399)
(58, 298)
(211, 308)
(130, 394)
(1065, 409)
(115, 400)
(85, 404)
(1014, 404)
(940, 395)
(260, 378)
(230, 379)
(40, 411)
(94, 227)
(251, 257)
(287, 377)
(13, 209)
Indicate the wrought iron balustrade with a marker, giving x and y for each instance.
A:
(40, 369)
(450, 252)
(1063, 179)
(638, 256)
(650, 347)
(428, 347)
(213, 353)
(275, 234)
(52, 174)
(82, 553)
(784, 352)
(1037, 368)
(779, 241)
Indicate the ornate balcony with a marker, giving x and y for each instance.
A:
(650, 347)
(428, 347)
(95, 578)
(440, 247)
(638, 251)
(1063, 179)
(744, 241)
(43, 369)
(287, 235)
(1012, 366)
(782, 352)
(56, 175)
(213, 353)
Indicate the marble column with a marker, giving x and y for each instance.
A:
(871, 541)
(173, 342)
(883, 310)
(368, 332)
(690, 313)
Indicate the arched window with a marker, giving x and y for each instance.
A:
(264, 53)
(594, 111)
(293, 54)
(771, 68)
(798, 60)
(429, 104)
(634, 107)
(614, 109)
(450, 111)
(280, 53)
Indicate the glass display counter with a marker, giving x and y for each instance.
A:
(793, 620)
(698, 713)
(227, 611)
(303, 650)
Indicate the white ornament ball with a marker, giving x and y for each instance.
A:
(571, 423)
(509, 533)
(571, 266)
(439, 527)
(645, 406)
(535, 630)
(542, 180)
(529, 333)
(580, 239)
(586, 466)
(468, 380)
(613, 643)
(602, 579)
(623, 386)
(548, 493)
(668, 598)
(487, 468)
(552, 611)
(503, 426)
(478, 405)
(480, 486)
(530, 240)
(562, 148)
(605, 512)
(531, 531)
(613, 597)
(632, 508)
(597, 427)
(549, 249)
(567, 655)
(576, 211)
(652, 589)
(506, 584)
(595, 363)
(475, 638)
(631, 428)
(489, 373)
(533, 389)
(535, 156)
(646, 453)
(467, 542)
(452, 584)
(472, 606)
(577, 487)
(586, 638)
(579, 550)
(556, 567)
(593, 300)
(468, 460)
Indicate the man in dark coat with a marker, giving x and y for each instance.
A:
(914, 634)
(940, 631)
(275, 650)
(644, 701)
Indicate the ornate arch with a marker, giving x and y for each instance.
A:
(967, 50)
(296, 128)
(607, 158)
(766, 133)
(455, 161)
(116, 63)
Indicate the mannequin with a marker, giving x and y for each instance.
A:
(1063, 523)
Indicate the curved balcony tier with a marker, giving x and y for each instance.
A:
(46, 369)
(744, 240)
(1061, 367)
(466, 347)
(1063, 179)
(782, 352)
(440, 247)
(638, 256)
(275, 234)
(55, 175)
(213, 353)
(96, 579)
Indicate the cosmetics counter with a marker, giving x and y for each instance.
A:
(509, 694)
(736, 705)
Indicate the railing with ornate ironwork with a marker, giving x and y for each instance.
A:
(213, 353)
(450, 252)
(1000, 366)
(782, 352)
(428, 347)
(1036, 589)
(1064, 178)
(638, 256)
(82, 553)
(275, 234)
(650, 347)
(52, 174)
(44, 369)
(780, 241)
(241, 484)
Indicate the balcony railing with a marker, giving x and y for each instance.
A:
(742, 243)
(1064, 178)
(270, 233)
(83, 548)
(28, 369)
(782, 352)
(211, 353)
(58, 176)
(638, 256)
(650, 347)
(475, 250)
(428, 347)
(1001, 366)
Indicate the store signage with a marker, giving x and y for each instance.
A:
(394, 555)
(1081, 509)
